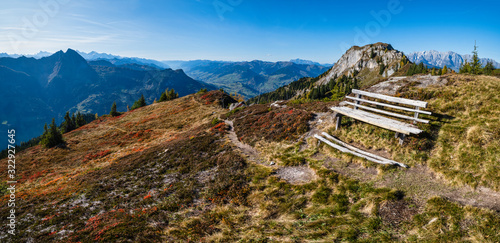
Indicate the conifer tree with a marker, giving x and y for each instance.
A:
(80, 121)
(73, 120)
(445, 70)
(465, 67)
(476, 62)
(113, 111)
(139, 103)
(172, 95)
(52, 136)
(163, 96)
(381, 68)
(68, 124)
(488, 68)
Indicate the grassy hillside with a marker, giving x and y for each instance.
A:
(169, 172)
(462, 140)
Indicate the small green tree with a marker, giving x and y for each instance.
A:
(465, 67)
(113, 111)
(476, 65)
(201, 91)
(80, 121)
(163, 97)
(139, 103)
(445, 70)
(172, 95)
(381, 68)
(169, 95)
(488, 68)
(68, 124)
(52, 136)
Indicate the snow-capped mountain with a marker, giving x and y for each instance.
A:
(451, 59)
(118, 60)
(36, 56)
(308, 62)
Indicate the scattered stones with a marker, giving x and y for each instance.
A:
(296, 174)
(236, 105)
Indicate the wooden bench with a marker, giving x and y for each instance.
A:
(360, 111)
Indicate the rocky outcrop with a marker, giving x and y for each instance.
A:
(366, 62)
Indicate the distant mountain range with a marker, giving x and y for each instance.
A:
(451, 59)
(35, 90)
(307, 62)
(247, 78)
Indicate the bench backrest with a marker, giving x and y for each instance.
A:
(385, 98)
(403, 101)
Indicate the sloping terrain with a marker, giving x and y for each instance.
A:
(172, 172)
(36, 90)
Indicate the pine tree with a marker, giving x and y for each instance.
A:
(421, 68)
(163, 97)
(433, 71)
(488, 68)
(80, 121)
(445, 70)
(113, 111)
(172, 95)
(67, 125)
(381, 68)
(73, 121)
(476, 62)
(52, 136)
(139, 103)
(465, 67)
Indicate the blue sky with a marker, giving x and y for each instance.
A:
(239, 30)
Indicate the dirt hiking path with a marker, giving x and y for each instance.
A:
(292, 174)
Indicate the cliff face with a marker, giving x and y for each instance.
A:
(365, 62)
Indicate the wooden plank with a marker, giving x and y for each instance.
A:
(345, 150)
(377, 120)
(348, 146)
(389, 105)
(388, 113)
(419, 103)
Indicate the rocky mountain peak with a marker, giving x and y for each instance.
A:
(366, 59)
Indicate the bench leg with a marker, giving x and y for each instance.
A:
(401, 138)
(338, 119)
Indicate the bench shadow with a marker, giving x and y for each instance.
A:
(427, 140)
(442, 117)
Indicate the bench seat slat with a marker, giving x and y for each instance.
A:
(388, 113)
(390, 106)
(404, 101)
(377, 120)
